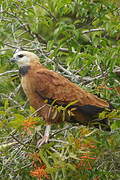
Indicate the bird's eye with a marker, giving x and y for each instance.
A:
(20, 55)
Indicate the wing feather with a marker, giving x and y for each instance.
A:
(52, 86)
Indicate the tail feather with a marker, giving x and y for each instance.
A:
(102, 124)
(90, 113)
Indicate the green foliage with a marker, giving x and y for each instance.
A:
(81, 40)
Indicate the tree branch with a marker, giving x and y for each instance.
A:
(9, 72)
(93, 30)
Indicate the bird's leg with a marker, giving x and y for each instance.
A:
(45, 138)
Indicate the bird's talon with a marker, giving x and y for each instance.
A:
(42, 141)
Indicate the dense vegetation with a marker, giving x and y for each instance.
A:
(81, 40)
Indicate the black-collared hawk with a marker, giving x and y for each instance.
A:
(55, 98)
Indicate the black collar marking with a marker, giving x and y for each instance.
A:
(24, 70)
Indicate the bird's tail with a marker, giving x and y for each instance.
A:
(102, 124)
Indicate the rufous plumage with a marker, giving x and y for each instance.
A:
(55, 98)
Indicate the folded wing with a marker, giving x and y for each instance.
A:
(53, 87)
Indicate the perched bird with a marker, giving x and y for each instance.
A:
(55, 98)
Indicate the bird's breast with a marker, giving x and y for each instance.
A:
(27, 87)
(29, 90)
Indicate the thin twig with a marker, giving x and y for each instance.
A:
(11, 99)
(19, 141)
(13, 94)
(12, 135)
(92, 132)
(93, 30)
(63, 129)
(31, 115)
(5, 49)
(9, 72)
(58, 140)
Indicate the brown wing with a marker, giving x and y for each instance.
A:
(42, 84)
(52, 86)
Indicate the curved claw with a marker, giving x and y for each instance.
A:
(42, 141)
(45, 138)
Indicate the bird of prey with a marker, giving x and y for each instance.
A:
(55, 98)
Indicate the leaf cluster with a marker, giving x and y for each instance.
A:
(81, 40)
